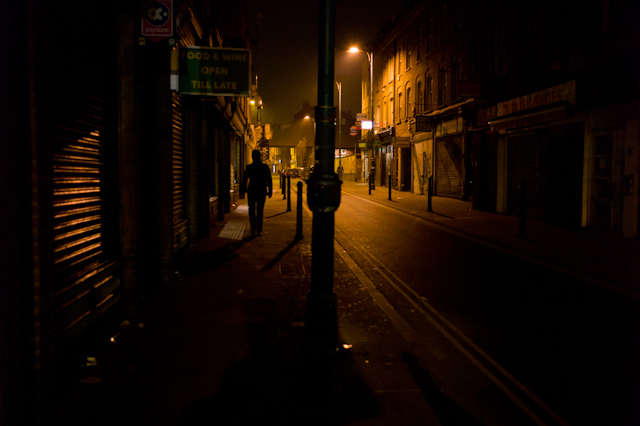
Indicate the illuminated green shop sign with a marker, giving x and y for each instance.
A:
(214, 71)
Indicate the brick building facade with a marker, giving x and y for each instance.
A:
(486, 96)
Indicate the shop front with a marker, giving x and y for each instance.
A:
(386, 156)
(423, 162)
(449, 159)
(542, 150)
(402, 148)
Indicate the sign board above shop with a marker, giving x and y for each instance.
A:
(561, 93)
(421, 124)
(401, 142)
(214, 71)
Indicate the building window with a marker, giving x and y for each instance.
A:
(386, 71)
(444, 23)
(400, 112)
(408, 109)
(419, 98)
(420, 43)
(428, 101)
(399, 59)
(442, 86)
(391, 110)
(501, 45)
(391, 68)
(456, 16)
(536, 33)
(384, 112)
(456, 77)
(429, 41)
(408, 54)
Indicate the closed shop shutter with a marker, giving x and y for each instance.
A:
(83, 194)
(178, 160)
(489, 177)
(527, 163)
(449, 173)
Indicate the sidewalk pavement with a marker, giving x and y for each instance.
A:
(226, 343)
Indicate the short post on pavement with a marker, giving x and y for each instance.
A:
(284, 187)
(522, 228)
(369, 183)
(429, 192)
(373, 173)
(281, 179)
(288, 193)
(299, 213)
(389, 186)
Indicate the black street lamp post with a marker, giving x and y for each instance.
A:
(323, 194)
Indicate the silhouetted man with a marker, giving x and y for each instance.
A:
(259, 177)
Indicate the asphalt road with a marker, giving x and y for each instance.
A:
(562, 349)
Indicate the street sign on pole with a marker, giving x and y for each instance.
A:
(157, 19)
(353, 131)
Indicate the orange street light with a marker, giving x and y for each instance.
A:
(355, 49)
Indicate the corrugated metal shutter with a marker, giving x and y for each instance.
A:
(179, 199)
(82, 269)
(527, 163)
(490, 181)
(84, 229)
(449, 171)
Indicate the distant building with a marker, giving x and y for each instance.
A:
(288, 138)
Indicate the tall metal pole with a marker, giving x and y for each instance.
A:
(323, 194)
(370, 57)
(373, 141)
(339, 84)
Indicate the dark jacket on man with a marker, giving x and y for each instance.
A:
(259, 177)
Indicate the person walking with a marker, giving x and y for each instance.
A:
(259, 186)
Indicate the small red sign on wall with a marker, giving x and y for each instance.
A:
(157, 19)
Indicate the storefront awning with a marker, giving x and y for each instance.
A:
(451, 108)
(530, 120)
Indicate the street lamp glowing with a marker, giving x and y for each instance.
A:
(306, 117)
(354, 49)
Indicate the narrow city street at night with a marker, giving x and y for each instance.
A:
(357, 212)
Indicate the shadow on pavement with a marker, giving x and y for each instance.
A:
(194, 263)
(293, 377)
(277, 214)
(279, 256)
(445, 408)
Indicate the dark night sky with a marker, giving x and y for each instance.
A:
(286, 56)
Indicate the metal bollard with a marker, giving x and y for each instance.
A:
(389, 186)
(280, 180)
(284, 187)
(369, 183)
(288, 193)
(429, 191)
(299, 215)
(522, 228)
